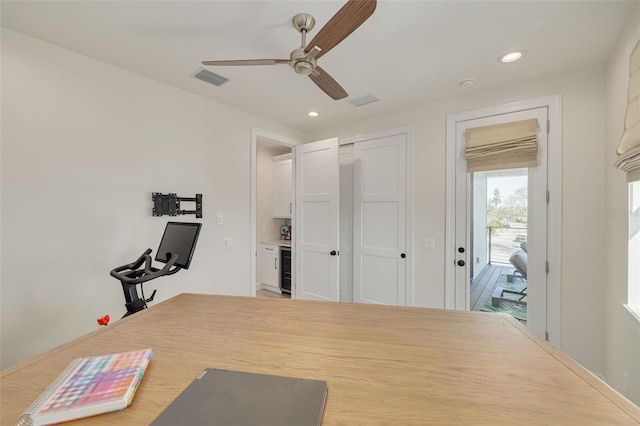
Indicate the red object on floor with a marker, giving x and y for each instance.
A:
(104, 320)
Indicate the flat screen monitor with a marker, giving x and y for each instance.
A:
(180, 238)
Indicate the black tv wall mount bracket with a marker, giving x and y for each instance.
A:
(169, 204)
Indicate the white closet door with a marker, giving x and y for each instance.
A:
(346, 223)
(379, 244)
(317, 220)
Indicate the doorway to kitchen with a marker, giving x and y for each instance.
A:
(272, 203)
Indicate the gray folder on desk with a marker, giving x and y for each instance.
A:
(224, 397)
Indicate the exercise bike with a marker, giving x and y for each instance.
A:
(176, 250)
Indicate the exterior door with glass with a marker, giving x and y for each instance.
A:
(472, 233)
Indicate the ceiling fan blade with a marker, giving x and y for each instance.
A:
(328, 85)
(248, 62)
(344, 22)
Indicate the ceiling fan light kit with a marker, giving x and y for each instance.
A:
(304, 59)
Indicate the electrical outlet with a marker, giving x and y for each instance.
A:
(227, 242)
(219, 219)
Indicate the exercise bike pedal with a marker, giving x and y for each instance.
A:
(150, 299)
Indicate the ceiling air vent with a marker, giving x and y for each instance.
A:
(210, 77)
(364, 100)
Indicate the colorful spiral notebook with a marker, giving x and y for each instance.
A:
(89, 386)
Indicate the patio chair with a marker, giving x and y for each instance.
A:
(519, 261)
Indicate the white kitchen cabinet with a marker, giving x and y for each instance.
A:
(282, 175)
(271, 265)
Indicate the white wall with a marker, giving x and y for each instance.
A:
(84, 145)
(582, 93)
(622, 350)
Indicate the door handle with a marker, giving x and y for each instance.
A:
(403, 255)
(461, 263)
(333, 253)
(275, 263)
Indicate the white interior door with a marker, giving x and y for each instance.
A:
(346, 223)
(537, 219)
(379, 242)
(317, 220)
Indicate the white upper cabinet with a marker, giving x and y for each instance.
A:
(282, 207)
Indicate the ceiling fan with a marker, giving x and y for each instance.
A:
(303, 60)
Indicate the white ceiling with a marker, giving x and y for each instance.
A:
(407, 53)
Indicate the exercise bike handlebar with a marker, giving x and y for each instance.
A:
(134, 275)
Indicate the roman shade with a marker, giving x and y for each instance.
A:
(629, 148)
(502, 146)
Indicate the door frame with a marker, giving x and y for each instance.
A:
(409, 237)
(253, 249)
(554, 208)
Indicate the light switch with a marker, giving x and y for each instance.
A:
(219, 219)
(428, 244)
(227, 243)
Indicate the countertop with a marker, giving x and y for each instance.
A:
(282, 243)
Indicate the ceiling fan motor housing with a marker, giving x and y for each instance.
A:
(301, 62)
(303, 67)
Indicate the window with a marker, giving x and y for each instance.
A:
(629, 161)
(634, 247)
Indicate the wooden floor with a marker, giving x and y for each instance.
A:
(272, 294)
(483, 284)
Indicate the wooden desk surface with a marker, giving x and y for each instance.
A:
(384, 365)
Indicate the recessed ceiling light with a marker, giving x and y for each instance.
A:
(511, 56)
(313, 114)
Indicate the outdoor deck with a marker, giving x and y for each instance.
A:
(501, 246)
(482, 285)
